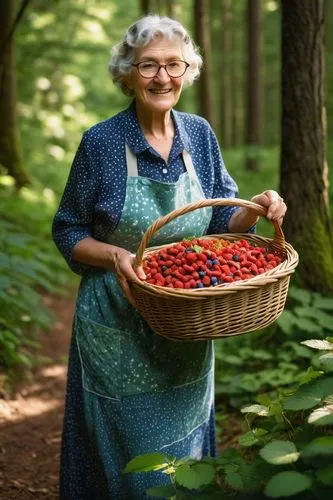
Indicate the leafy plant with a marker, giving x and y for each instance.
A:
(287, 449)
(29, 266)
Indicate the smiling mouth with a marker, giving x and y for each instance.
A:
(159, 91)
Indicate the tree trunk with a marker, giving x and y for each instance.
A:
(254, 88)
(203, 39)
(10, 145)
(145, 6)
(238, 70)
(304, 179)
(227, 73)
(173, 9)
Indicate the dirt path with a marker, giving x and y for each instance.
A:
(31, 420)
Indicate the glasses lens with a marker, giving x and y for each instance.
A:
(148, 69)
(176, 68)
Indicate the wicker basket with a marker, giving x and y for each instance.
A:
(223, 310)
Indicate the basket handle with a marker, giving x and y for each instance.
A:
(215, 202)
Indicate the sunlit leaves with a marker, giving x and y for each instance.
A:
(279, 452)
(147, 462)
(195, 476)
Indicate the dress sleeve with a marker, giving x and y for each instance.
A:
(224, 187)
(74, 217)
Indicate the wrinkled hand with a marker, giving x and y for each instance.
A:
(123, 265)
(276, 207)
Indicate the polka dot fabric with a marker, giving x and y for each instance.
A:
(130, 391)
(94, 196)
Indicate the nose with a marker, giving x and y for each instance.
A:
(162, 75)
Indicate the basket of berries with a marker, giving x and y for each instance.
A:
(213, 286)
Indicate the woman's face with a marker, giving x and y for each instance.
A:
(160, 93)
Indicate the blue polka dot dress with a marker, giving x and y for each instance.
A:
(130, 391)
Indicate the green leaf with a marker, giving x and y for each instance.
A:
(286, 322)
(197, 248)
(260, 410)
(318, 344)
(162, 491)
(235, 480)
(195, 476)
(322, 416)
(319, 446)
(308, 326)
(300, 294)
(147, 462)
(287, 484)
(252, 437)
(323, 302)
(310, 394)
(325, 475)
(309, 375)
(299, 350)
(279, 452)
(327, 358)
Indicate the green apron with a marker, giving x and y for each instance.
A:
(154, 391)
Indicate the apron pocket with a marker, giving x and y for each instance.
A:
(99, 350)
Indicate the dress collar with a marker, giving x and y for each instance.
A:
(137, 142)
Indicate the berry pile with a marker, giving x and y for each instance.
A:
(199, 263)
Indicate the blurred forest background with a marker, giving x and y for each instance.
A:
(55, 85)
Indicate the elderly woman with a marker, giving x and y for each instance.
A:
(131, 391)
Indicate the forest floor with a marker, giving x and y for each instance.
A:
(31, 418)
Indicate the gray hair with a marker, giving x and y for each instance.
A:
(140, 34)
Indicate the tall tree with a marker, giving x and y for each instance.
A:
(226, 111)
(10, 145)
(254, 84)
(238, 70)
(172, 8)
(203, 39)
(304, 179)
(145, 6)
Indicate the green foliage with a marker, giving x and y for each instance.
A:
(287, 455)
(29, 265)
(279, 355)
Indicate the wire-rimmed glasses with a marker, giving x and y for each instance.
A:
(149, 69)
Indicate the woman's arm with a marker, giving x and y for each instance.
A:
(98, 254)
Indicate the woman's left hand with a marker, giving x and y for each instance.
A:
(276, 207)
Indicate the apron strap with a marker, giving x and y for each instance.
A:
(189, 165)
(132, 164)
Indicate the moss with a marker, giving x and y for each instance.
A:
(316, 255)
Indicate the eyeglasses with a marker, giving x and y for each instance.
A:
(149, 69)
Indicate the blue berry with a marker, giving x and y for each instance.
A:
(164, 268)
(199, 285)
(215, 261)
(209, 263)
(189, 249)
(235, 258)
(202, 274)
(213, 280)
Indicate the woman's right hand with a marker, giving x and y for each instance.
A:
(97, 253)
(123, 262)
